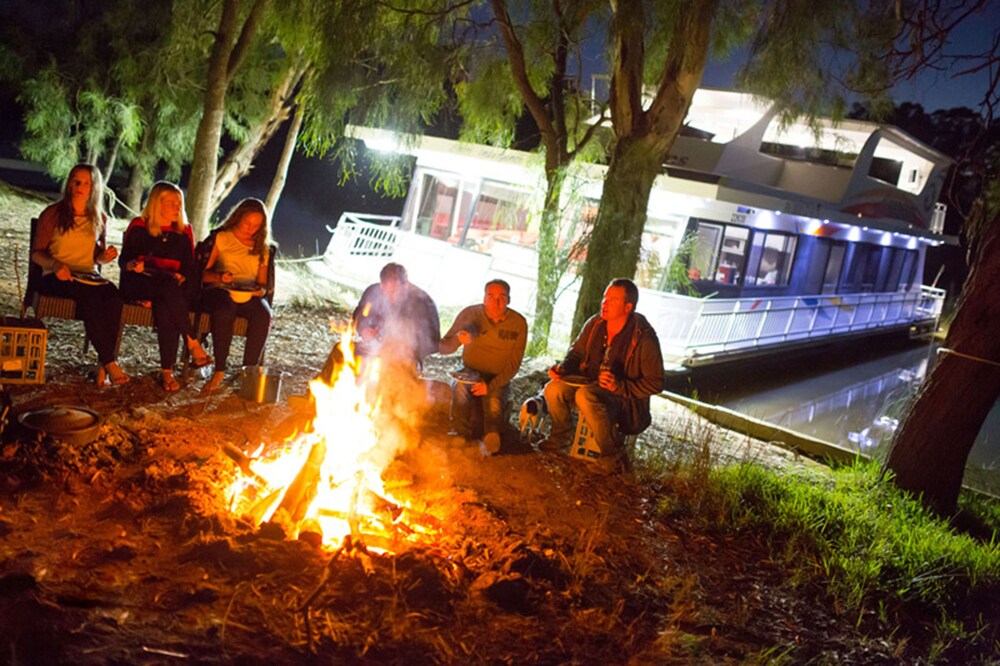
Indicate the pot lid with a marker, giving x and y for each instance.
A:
(60, 420)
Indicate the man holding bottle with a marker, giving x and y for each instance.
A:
(611, 370)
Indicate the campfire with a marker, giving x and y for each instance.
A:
(325, 485)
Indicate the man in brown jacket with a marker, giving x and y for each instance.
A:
(611, 370)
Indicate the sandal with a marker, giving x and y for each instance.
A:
(102, 376)
(214, 382)
(169, 382)
(199, 357)
(116, 374)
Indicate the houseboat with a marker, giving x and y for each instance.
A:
(790, 235)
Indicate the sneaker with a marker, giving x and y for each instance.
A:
(492, 442)
(549, 444)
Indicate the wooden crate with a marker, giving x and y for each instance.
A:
(22, 350)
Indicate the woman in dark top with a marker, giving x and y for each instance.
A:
(158, 267)
(69, 246)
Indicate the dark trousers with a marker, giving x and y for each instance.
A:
(224, 312)
(171, 303)
(472, 416)
(100, 308)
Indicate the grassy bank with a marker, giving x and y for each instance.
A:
(878, 553)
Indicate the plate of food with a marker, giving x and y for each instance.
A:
(92, 278)
(467, 376)
(576, 380)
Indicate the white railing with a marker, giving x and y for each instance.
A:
(730, 326)
(358, 235)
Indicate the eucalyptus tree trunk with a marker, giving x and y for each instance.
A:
(643, 137)
(281, 171)
(551, 265)
(929, 451)
(239, 161)
(615, 243)
(229, 50)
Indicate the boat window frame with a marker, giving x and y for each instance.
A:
(784, 278)
(716, 257)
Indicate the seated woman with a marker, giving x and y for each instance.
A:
(157, 261)
(235, 282)
(69, 246)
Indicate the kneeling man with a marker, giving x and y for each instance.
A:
(493, 338)
(617, 365)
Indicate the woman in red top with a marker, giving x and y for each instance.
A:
(69, 246)
(158, 267)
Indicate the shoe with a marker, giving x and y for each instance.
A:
(492, 443)
(169, 382)
(549, 444)
(199, 357)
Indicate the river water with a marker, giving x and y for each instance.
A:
(855, 403)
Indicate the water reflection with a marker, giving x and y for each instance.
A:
(859, 407)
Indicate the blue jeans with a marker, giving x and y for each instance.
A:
(474, 416)
(600, 407)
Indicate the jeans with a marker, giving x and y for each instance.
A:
(171, 302)
(474, 416)
(224, 312)
(100, 308)
(600, 407)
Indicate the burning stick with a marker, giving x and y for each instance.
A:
(302, 491)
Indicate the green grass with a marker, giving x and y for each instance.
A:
(872, 546)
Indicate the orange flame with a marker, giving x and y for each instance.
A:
(343, 448)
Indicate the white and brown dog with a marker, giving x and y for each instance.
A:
(533, 414)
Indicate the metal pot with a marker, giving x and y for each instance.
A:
(259, 383)
(75, 426)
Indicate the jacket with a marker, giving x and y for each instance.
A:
(634, 358)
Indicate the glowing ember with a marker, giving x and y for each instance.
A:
(329, 481)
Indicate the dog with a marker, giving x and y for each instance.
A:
(533, 414)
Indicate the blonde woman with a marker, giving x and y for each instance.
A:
(69, 246)
(158, 267)
(235, 280)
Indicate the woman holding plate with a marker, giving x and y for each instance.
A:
(69, 246)
(158, 267)
(235, 280)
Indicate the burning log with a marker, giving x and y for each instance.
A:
(303, 489)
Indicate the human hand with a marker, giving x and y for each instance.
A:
(62, 271)
(479, 389)
(556, 372)
(464, 337)
(607, 380)
(136, 265)
(226, 277)
(180, 278)
(108, 255)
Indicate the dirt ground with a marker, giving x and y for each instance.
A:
(124, 550)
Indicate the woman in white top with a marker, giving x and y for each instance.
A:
(235, 281)
(69, 246)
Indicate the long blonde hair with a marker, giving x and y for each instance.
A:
(151, 212)
(95, 202)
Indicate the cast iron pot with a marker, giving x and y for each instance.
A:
(259, 383)
(75, 426)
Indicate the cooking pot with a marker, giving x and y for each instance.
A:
(75, 426)
(259, 383)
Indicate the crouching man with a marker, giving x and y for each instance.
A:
(493, 338)
(611, 370)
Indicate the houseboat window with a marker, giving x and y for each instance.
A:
(864, 268)
(909, 269)
(771, 258)
(502, 213)
(719, 252)
(444, 203)
(825, 264)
